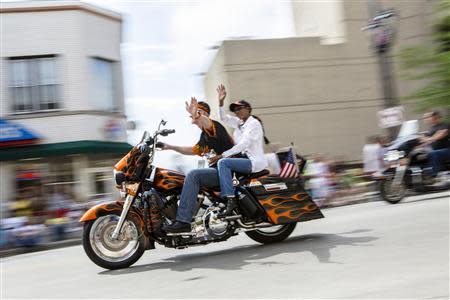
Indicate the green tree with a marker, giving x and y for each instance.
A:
(431, 63)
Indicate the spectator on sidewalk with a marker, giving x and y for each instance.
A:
(59, 206)
(29, 235)
(319, 183)
(371, 157)
(384, 144)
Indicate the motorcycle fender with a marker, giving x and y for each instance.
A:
(103, 209)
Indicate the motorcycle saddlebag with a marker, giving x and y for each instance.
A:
(284, 199)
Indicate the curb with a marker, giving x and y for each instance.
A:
(43, 247)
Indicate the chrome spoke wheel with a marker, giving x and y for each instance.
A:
(109, 249)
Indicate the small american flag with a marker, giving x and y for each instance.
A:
(289, 168)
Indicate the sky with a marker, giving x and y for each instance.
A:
(166, 47)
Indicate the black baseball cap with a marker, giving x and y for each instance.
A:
(240, 103)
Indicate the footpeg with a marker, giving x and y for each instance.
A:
(181, 234)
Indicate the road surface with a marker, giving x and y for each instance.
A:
(371, 250)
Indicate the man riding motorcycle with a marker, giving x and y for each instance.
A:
(439, 138)
(213, 137)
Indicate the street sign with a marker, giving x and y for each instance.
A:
(390, 117)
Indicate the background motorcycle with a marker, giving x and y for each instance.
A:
(116, 234)
(408, 166)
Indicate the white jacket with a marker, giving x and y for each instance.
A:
(249, 139)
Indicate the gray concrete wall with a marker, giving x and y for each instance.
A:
(324, 98)
(215, 76)
(324, 19)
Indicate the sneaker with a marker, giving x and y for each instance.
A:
(178, 227)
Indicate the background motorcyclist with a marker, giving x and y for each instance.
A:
(213, 137)
(439, 139)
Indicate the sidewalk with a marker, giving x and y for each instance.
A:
(74, 238)
(43, 247)
(348, 200)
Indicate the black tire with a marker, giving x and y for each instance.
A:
(387, 195)
(112, 264)
(279, 235)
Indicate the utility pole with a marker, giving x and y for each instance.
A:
(382, 34)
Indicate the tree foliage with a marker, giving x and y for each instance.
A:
(431, 63)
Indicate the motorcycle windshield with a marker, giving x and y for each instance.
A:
(409, 128)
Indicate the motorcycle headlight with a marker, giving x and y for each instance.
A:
(394, 155)
(119, 177)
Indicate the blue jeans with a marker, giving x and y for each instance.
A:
(437, 158)
(194, 180)
(225, 166)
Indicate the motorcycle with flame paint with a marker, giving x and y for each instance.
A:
(116, 234)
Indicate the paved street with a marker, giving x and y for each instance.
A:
(371, 250)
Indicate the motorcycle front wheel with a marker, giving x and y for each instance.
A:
(390, 192)
(110, 253)
(273, 234)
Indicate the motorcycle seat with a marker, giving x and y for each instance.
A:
(242, 178)
(252, 175)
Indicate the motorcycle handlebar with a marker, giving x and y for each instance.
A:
(166, 132)
(151, 140)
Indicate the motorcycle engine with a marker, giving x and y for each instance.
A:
(215, 227)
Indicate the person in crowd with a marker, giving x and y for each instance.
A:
(318, 173)
(438, 137)
(373, 165)
(213, 137)
(59, 205)
(22, 205)
(30, 234)
(249, 137)
(384, 144)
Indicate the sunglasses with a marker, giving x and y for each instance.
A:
(239, 108)
(199, 111)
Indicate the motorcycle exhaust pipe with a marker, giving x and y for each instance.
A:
(232, 218)
(252, 226)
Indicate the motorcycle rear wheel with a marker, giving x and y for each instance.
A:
(272, 234)
(109, 253)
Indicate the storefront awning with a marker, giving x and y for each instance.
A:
(58, 149)
(12, 134)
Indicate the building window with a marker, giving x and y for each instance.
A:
(102, 84)
(34, 84)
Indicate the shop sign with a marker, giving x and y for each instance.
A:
(114, 130)
(12, 134)
(390, 117)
